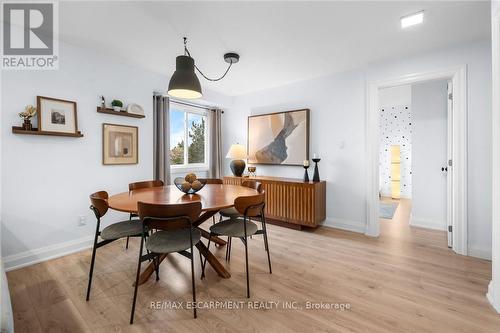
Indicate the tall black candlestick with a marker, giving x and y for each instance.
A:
(316, 170)
(306, 174)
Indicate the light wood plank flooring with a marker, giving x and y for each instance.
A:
(406, 280)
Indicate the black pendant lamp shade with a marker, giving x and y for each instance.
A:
(184, 82)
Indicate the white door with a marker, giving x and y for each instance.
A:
(449, 168)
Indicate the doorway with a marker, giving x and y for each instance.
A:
(415, 146)
(457, 168)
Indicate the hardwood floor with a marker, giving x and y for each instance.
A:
(406, 280)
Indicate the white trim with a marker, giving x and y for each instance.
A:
(459, 153)
(32, 257)
(343, 224)
(428, 224)
(490, 297)
(494, 292)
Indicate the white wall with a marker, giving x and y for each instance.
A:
(338, 103)
(429, 154)
(395, 129)
(46, 180)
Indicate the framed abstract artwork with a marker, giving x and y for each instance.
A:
(56, 115)
(119, 144)
(280, 138)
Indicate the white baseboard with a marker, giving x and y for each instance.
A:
(491, 298)
(35, 256)
(347, 225)
(435, 225)
(480, 253)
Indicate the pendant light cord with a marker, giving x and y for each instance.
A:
(186, 52)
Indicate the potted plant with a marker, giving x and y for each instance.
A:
(28, 113)
(117, 105)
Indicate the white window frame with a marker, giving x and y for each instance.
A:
(179, 168)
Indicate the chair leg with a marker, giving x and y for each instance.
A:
(156, 263)
(192, 282)
(136, 283)
(228, 244)
(246, 266)
(266, 244)
(205, 261)
(92, 261)
(126, 246)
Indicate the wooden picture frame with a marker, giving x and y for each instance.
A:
(262, 150)
(120, 144)
(56, 115)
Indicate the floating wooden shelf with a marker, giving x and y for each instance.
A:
(35, 131)
(119, 113)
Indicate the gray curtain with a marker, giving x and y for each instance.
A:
(161, 137)
(215, 143)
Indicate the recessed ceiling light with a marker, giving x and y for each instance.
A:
(413, 19)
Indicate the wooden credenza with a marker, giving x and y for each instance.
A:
(289, 201)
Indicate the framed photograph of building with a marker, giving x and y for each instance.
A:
(56, 115)
(279, 138)
(120, 144)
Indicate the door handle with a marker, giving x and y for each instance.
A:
(443, 169)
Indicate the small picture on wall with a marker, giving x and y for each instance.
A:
(56, 115)
(120, 144)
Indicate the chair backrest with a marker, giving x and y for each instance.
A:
(250, 206)
(99, 201)
(145, 184)
(216, 181)
(253, 184)
(166, 217)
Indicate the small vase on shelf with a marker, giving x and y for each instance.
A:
(27, 126)
(306, 174)
(316, 159)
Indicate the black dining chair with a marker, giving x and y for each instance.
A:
(175, 233)
(232, 213)
(138, 186)
(213, 181)
(242, 227)
(99, 205)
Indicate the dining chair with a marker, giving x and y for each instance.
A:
(233, 213)
(242, 228)
(140, 185)
(99, 205)
(175, 233)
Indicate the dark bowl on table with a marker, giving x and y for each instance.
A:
(178, 183)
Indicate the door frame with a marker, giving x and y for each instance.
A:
(458, 76)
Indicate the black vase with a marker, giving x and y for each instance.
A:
(237, 167)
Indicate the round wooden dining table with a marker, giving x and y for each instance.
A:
(213, 198)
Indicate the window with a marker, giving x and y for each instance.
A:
(188, 137)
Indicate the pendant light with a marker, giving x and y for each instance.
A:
(184, 83)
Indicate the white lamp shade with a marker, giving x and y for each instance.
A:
(237, 152)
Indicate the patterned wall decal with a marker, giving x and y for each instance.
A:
(395, 129)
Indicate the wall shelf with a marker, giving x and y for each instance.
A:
(35, 131)
(119, 113)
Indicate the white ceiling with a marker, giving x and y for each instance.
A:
(278, 42)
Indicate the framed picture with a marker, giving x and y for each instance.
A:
(119, 144)
(279, 138)
(56, 115)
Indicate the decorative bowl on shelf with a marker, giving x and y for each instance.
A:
(189, 184)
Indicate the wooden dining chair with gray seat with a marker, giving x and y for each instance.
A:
(138, 186)
(175, 234)
(115, 231)
(232, 213)
(242, 228)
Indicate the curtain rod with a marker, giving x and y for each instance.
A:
(173, 100)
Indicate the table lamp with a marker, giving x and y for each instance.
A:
(237, 152)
